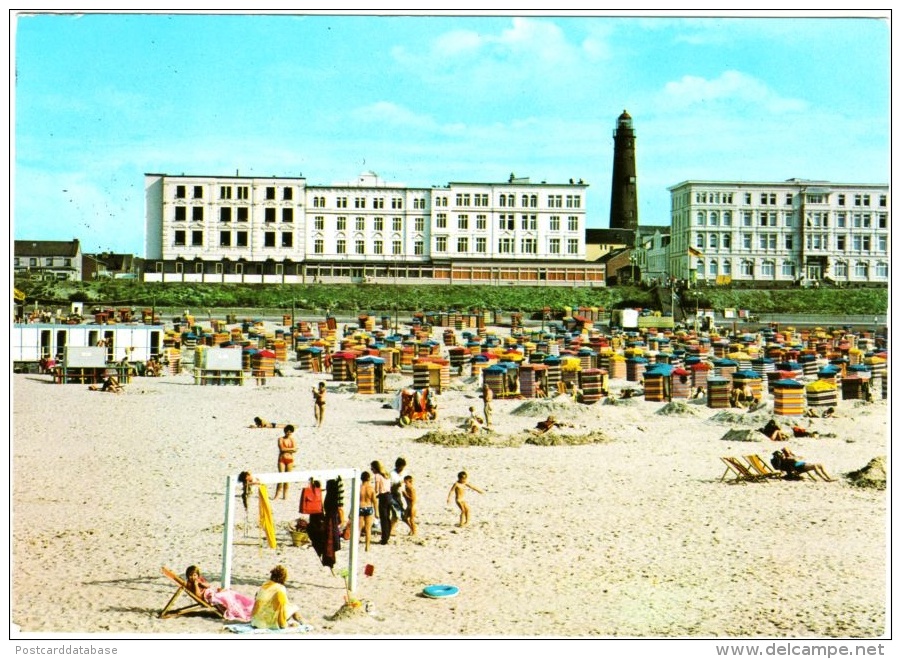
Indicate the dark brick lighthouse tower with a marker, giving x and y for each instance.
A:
(624, 189)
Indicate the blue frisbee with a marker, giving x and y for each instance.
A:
(439, 591)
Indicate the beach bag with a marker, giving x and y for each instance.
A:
(311, 500)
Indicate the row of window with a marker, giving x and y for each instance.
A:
(813, 241)
(239, 192)
(767, 268)
(771, 198)
(811, 219)
(49, 262)
(504, 245)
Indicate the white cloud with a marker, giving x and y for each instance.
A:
(729, 87)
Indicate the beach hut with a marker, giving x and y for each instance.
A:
(821, 393)
(681, 382)
(457, 356)
(496, 378)
(791, 369)
(635, 368)
(343, 365)
(856, 386)
(718, 392)
(569, 370)
(788, 397)
(593, 383)
(262, 365)
(658, 382)
(218, 366)
(552, 363)
(370, 375)
(752, 379)
(724, 368)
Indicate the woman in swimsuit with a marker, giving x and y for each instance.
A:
(287, 447)
(367, 506)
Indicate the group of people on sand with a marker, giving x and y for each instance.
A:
(388, 498)
(269, 609)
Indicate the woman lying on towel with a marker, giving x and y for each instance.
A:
(272, 610)
(233, 605)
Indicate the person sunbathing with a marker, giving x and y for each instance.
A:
(794, 465)
(259, 422)
(801, 431)
(544, 426)
(232, 604)
(774, 432)
(110, 384)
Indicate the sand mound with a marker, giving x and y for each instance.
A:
(554, 439)
(678, 408)
(742, 435)
(462, 438)
(872, 476)
(626, 402)
(756, 419)
(561, 406)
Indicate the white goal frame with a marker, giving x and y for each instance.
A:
(322, 475)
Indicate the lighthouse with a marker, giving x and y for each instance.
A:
(624, 189)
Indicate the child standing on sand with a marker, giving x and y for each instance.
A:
(458, 490)
(319, 404)
(410, 499)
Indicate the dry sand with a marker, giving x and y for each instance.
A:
(626, 533)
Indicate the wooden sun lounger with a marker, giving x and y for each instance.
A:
(199, 605)
(739, 471)
(761, 468)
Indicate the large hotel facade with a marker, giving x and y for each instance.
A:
(788, 232)
(281, 230)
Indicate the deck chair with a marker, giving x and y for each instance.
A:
(198, 604)
(761, 468)
(739, 471)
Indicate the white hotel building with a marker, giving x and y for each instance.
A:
(281, 230)
(785, 232)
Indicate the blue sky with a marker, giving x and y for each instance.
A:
(101, 99)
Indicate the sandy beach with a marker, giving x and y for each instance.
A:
(631, 535)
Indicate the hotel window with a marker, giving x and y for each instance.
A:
(225, 238)
(341, 224)
(867, 243)
(418, 247)
(866, 220)
(441, 221)
(180, 213)
(789, 242)
(525, 201)
(841, 243)
(158, 266)
(288, 194)
(702, 219)
(841, 220)
(713, 269)
(378, 202)
(505, 245)
(179, 240)
(841, 269)
(197, 239)
(727, 218)
(197, 213)
(378, 224)
(441, 244)
(529, 246)
(217, 267)
(440, 201)
(480, 199)
(225, 214)
(746, 218)
(555, 201)
(529, 222)
(506, 222)
(858, 220)
(714, 219)
(317, 202)
(746, 240)
(360, 223)
(712, 241)
(397, 203)
(481, 245)
(243, 213)
(378, 247)
(243, 192)
(747, 269)
(502, 200)
(180, 192)
(882, 243)
(463, 199)
(269, 239)
(341, 202)
(359, 247)
(883, 201)
(858, 200)
(747, 197)
(882, 220)
(239, 268)
(269, 215)
(481, 222)
(287, 239)
(179, 267)
(270, 192)
(33, 262)
(463, 222)
(857, 243)
(788, 198)
(533, 201)
(699, 241)
(396, 224)
(395, 247)
(319, 246)
(727, 267)
(554, 246)
(554, 224)
(288, 214)
(341, 246)
(419, 224)
(319, 222)
(572, 246)
(573, 201)
(788, 269)
(841, 200)
(816, 199)
(866, 200)
(573, 222)
(882, 270)
(861, 270)
(767, 269)
(727, 241)
(198, 192)
(225, 192)
(241, 238)
(462, 245)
